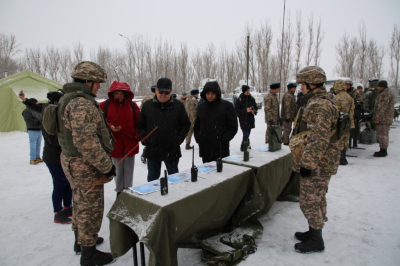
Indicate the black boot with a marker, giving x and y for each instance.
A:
(93, 257)
(355, 143)
(77, 248)
(241, 147)
(381, 153)
(375, 153)
(343, 160)
(314, 244)
(302, 236)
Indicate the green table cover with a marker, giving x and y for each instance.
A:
(273, 171)
(187, 214)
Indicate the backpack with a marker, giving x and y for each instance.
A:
(49, 122)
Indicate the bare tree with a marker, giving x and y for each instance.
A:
(52, 58)
(394, 52)
(318, 40)
(362, 54)
(299, 42)
(310, 44)
(262, 50)
(182, 79)
(375, 59)
(65, 65)
(347, 50)
(8, 49)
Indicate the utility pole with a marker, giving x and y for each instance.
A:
(130, 47)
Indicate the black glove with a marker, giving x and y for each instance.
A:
(305, 172)
(111, 172)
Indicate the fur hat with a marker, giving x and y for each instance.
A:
(275, 85)
(382, 84)
(194, 92)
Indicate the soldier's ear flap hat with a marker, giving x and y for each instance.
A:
(194, 92)
(275, 85)
(382, 84)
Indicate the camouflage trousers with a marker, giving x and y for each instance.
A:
(267, 133)
(287, 128)
(382, 135)
(88, 209)
(189, 134)
(312, 199)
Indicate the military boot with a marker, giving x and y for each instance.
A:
(375, 153)
(343, 160)
(93, 257)
(314, 244)
(302, 236)
(355, 143)
(381, 153)
(77, 248)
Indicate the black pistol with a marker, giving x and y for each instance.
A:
(194, 169)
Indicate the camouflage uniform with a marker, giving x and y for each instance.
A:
(288, 113)
(148, 97)
(85, 142)
(191, 110)
(344, 104)
(358, 99)
(271, 110)
(383, 112)
(321, 156)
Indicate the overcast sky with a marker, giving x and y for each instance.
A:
(41, 23)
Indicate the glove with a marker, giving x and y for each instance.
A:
(111, 172)
(305, 172)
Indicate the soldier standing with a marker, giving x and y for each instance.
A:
(148, 97)
(355, 94)
(86, 144)
(288, 112)
(271, 107)
(319, 159)
(383, 117)
(191, 109)
(183, 98)
(344, 104)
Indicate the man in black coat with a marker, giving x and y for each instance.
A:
(246, 108)
(216, 123)
(173, 123)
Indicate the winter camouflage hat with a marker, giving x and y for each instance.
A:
(89, 71)
(311, 75)
(339, 86)
(348, 82)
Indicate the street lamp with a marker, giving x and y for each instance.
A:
(130, 59)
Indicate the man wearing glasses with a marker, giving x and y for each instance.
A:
(163, 145)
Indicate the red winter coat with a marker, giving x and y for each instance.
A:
(120, 114)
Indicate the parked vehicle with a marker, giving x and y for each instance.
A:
(257, 95)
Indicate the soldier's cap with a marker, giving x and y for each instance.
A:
(245, 88)
(153, 88)
(382, 84)
(164, 85)
(275, 85)
(184, 93)
(194, 92)
(291, 85)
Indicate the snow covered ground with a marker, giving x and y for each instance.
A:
(363, 211)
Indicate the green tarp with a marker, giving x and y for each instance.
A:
(11, 107)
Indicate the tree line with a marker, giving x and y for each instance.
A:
(144, 60)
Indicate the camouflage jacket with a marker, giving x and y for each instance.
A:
(355, 94)
(345, 104)
(84, 120)
(384, 107)
(191, 108)
(148, 97)
(320, 154)
(288, 106)
(271, 108)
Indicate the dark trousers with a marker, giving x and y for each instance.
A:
(62, 193)
(154, 168)
(246, 134)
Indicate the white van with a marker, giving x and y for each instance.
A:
(257, 96)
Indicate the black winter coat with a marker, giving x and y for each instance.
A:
(241, 110)
(173, 125)
(32, 115)
(215, 124)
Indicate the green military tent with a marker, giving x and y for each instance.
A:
(11, 107)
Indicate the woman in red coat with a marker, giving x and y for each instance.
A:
(122, 116)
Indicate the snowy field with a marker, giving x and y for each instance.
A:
(363, 211)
